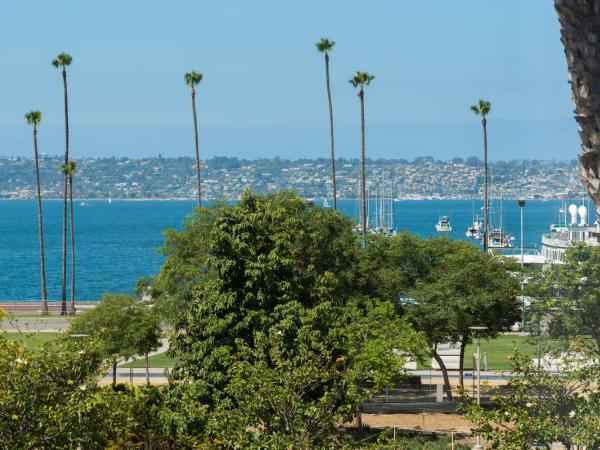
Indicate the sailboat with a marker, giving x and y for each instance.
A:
(498, 238)
(475, 227)
(325, 203)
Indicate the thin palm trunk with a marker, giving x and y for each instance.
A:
(63, 307)
(486, 186)
(41, 226)
(196, 142)
(72, 305)
(363, 191)
(334, 187)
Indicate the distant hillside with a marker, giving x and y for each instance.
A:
(165, 178)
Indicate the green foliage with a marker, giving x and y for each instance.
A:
(186, 263)
(122, 326)
(261, 255)
(33, 118)
(43, 394)
(464, 288)
(379, 340)
(272, 304)
(361, 80)
(62, 60)
(325, 45)
(193, 78)
(482, 108)
(570, 293)
(539, 408)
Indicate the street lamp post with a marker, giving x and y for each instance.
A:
(522, 207)
(477, 333)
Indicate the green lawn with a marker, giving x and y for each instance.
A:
(30, 340)
(160, 360)
(499, 349)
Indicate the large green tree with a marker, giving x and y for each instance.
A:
(123, 328)
(193, 79)
(482, 109)
(325, 46)
(360, 81)
(62, 61)
(34, 118)
(272, 303)
(68, 170)
(463, 288)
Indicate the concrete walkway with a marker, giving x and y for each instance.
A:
(52, 324)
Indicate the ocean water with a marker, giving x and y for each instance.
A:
(117, 243)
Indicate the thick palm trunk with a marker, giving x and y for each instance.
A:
(63, 306)
(580, 31)
(114, 372)
(41, 226)
(196, 142)
(72, 304)
(486, 203)
(334, 187)
(363, 189)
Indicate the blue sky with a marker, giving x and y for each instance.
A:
(263, 93)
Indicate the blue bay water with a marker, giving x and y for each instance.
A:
(117, 243)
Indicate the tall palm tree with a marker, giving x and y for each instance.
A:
(482, 109)
(360, 81)
(192, 79)
(325, 46)
(580, 36)
(62, 61)
(34, 118)
(68, 170)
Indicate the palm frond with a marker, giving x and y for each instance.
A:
(68, 168)
(361, 79)
(324, 45)
(193, 78)
(62, 60)
(33, 117)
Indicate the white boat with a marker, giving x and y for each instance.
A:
(109, 200)
(325, 203)
(569, 233)
(443, 225)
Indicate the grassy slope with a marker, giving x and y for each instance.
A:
(30, 340)
(497, 349)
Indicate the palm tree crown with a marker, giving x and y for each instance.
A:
(33, 118)
(63, 60)
(193, 78)
(324, 45)
(68, 168)
(361, 79)
(482, 108)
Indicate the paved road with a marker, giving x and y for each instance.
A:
(50, 324)
(137, 376)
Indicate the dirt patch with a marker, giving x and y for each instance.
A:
(443, 423)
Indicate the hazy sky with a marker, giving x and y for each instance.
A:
(263, 90)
